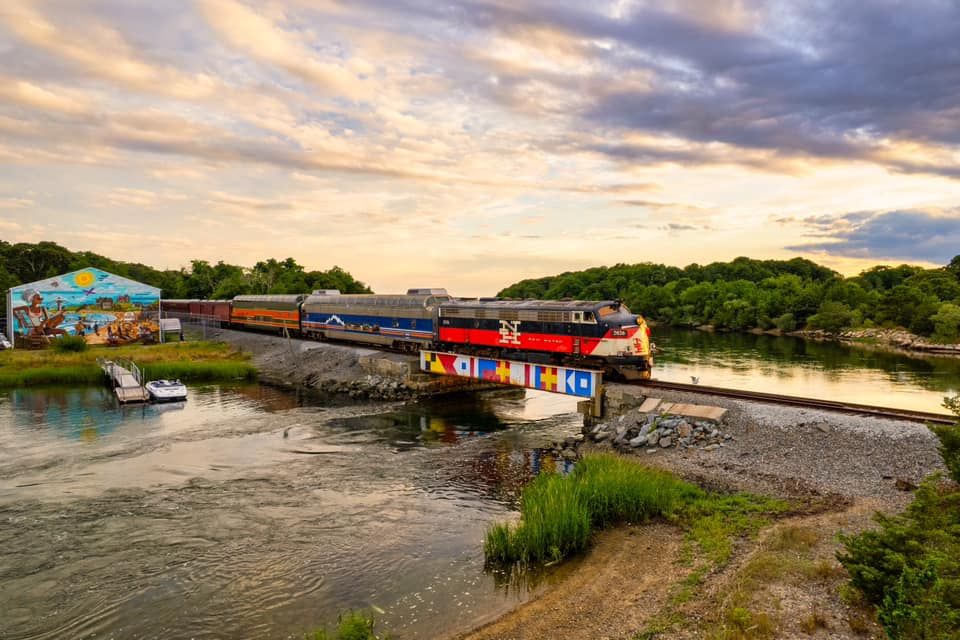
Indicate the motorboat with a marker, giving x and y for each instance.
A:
(166, 390)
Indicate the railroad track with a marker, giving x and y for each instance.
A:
(810, 403)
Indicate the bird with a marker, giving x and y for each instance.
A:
(695, 379)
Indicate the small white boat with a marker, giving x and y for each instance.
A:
(166, 390)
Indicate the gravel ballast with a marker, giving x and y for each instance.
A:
(793, 451)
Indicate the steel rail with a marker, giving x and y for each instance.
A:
(811, 403)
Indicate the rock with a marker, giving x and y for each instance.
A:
(639, 441)
(666, 442)
(569, 454)
(603, 435)
(653, 438)
(823, 428)
(905, 485)
(684, 429)
(651, 450)
(710, 447)
(644, 431)
(597, 429)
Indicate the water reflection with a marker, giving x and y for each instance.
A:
(792, 366)
(211, 519)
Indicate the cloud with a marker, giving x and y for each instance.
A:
(929, 236)
(15, 203)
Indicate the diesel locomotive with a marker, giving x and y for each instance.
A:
(593, 334)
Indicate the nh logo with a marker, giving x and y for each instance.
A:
(510, 332)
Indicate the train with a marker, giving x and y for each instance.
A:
(600, 334)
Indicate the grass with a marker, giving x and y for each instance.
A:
(201, 361)
(353, 625)
(558, 515)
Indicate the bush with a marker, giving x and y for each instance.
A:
(831, 317)
(70, 344)
(946, 323)
(910, 567)
(949, 436)
(786, 322)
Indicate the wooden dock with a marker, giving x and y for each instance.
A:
(125, 378)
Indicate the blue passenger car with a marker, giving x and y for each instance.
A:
(398, 321)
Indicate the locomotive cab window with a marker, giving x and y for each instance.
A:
(589, 318)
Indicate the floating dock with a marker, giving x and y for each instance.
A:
(125, 378)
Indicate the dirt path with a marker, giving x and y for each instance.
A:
(623, 581)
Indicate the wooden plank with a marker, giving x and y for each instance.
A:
(650, 404)
(703, 412)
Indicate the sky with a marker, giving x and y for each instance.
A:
(471, 144)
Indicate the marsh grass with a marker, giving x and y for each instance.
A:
(352, 625)
(186, 361)
(558, 515)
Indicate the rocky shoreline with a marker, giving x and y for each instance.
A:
(794, 453)
(338, 370)
(894, 339)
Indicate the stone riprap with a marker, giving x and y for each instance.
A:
(654, 430)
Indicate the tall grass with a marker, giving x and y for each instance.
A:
(353, 625)
(199, 371)
(559, 514)
(200, 361)
(68, 344)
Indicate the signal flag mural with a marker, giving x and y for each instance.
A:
(574, 382)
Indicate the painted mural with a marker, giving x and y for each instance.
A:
(101, 307)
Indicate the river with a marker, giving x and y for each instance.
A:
(793, 366)
(249, 512)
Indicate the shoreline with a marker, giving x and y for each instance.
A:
(837, 470)
(188, 361)
(890, 340)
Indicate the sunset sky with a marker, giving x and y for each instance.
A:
(470, 144)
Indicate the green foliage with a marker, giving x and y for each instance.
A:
(949, 436)
(70, 344)
(746, 293)
(910, 567)
(559, 514)
(946, 323)
(919, 605)
(25, 262)
(188, 361)
(831, 317)
(786, 322)
(353, 625)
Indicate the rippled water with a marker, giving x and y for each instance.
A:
(791, 366)
(248, 513)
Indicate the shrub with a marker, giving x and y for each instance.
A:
(946, 323)
(786, 322)
(70, 344)
(949, 436)
(832, 317)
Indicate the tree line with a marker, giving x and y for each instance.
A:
(24, 262)
(787, 295)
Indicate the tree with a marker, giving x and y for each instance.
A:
(831, 317)
(954, 267)
(946, 323)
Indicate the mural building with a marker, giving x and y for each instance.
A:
(101, 307)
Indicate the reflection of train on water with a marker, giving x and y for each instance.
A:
(598, 334)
